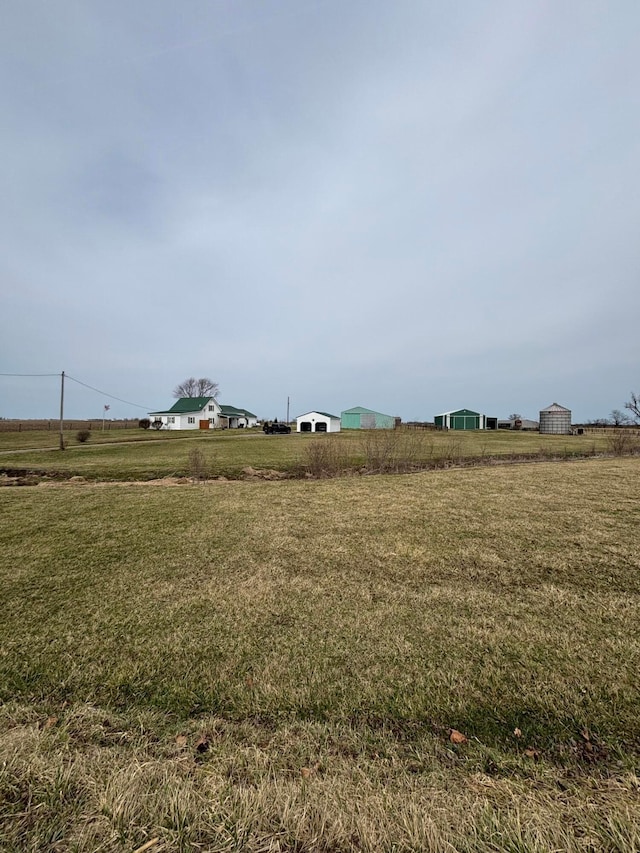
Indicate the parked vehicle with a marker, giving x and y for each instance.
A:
(276, 428)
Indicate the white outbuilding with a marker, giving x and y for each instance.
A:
(318, 422)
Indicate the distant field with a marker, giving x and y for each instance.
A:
(112, 456)
(287, 665)
(43, 439)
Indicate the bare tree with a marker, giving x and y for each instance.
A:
(192, 387)
(515, 416)
(619, 418)
(634, 406)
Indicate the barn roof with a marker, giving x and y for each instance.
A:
(459, 412)
(360, 410)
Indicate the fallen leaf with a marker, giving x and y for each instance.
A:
(306, 772)
(181, 741)
(517, 732)
(585, 734)
(51, 722)
(457, 737)
(530, 752)
(203, 744)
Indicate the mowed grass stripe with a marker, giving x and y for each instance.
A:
(406, 595)
(341, 627)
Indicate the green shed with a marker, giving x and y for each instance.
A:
(361, 418)
(464, 419)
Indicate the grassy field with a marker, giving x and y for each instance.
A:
(50, 440)
(442, 661)
(117, 456)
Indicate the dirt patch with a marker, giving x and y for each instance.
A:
(250, 473)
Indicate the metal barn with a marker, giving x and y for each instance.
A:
(464, 419)
(361, 418)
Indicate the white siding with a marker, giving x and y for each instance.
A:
(315, 418)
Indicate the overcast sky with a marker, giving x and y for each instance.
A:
(413, 206)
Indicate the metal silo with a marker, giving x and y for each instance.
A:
(555, 420)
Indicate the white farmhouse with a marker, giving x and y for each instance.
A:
(318, 422)
(203, 413)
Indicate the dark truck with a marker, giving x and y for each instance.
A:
(276, 428)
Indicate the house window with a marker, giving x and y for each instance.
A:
(212, 420)
(191, 420)
(171, 420)
(211, 409)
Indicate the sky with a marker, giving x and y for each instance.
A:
(412, 206)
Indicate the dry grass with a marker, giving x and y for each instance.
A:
(278, 666)
(153, 455)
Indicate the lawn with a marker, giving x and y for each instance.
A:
(437, 661)
(50, 439)
(226, 453)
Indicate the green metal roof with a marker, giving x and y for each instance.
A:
(231, 411)
(185, 406)
(189, 404)
(459, 412)
(360, 410)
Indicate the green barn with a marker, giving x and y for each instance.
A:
(361, 418)
(464, 419)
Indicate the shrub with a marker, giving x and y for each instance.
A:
(144, 423)
(198, 468)
(157, 424)
(380, 450)
(326, 458)
(390, 451)
(622, 443)
(83, 435)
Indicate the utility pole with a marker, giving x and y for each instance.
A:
(287, 410)
(62, 411)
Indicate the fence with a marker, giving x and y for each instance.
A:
(417, 425)
(54, 426)
(606, 430)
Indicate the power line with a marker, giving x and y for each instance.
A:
(97, 390)
(105, 394)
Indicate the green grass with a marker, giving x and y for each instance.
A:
(227, 453)
(50, 439)
(323, 638)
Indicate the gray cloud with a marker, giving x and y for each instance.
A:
(406, 206)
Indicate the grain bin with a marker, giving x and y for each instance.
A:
(555, 420)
